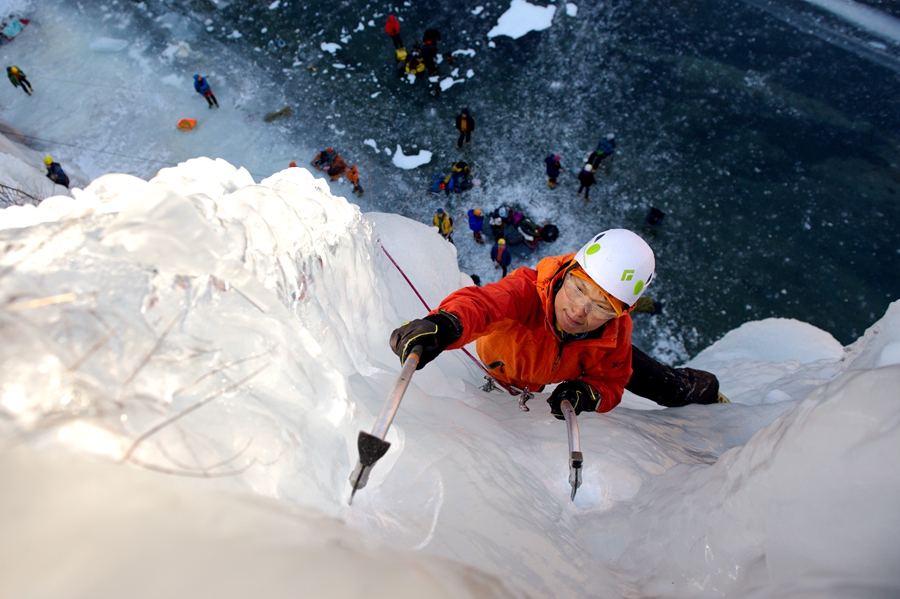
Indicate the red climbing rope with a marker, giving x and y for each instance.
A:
(512, 390)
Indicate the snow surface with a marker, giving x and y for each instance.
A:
(448, 82)
(411, 161)
(522, 17)
(187, 362)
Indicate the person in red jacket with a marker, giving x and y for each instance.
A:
(566, 322)
(392, 28)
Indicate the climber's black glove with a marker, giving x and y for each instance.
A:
(580, 394)
(434, 333)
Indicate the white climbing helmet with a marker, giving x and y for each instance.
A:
(620, 262)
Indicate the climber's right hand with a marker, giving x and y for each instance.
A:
(434, 333)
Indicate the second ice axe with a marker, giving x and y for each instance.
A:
(576, 459)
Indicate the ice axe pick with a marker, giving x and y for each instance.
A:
(372, 446)
(576, 459)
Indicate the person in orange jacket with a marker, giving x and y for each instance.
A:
(392, 28)
(566, 322)
(353, 177)
(337, 168)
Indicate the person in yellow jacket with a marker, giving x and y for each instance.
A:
(444, 224)
(465, 124)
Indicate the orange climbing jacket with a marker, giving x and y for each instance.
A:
(353, 175)
(337, 168)
(514, 323)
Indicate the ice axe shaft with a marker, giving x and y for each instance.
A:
(576, 459)
(372, 446)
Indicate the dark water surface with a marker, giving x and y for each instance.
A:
(773, 152)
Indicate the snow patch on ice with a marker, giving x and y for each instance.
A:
(411, 161)
(522, 17)
(571, 9)
(448, 82)
(330, 47)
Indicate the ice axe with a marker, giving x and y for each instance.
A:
(576, 459)
(372, 446)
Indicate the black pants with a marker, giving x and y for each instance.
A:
(211, 99)
(587, 191)
(463, 135)
(398, 41)
(670, 387)
(25, 83)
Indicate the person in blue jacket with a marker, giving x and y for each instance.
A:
(55, 172)
(605, 149)
(476, 223)
(553, 169)
(202, 87)
(500, 255)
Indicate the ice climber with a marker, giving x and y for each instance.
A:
(458, 179)
(17, 78)
(465, 124)
(353, 176)
(605, 149)
(501, 256)
(324, 159)
(566, 322)
(553, 169)
(430, 40)
(201, 86)
(415, 65)
(337, 167)
(392, 28)
(444, 224)
(476, 223)
(55, 172)
(586, 178)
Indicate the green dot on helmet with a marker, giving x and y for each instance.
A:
(593, 249)
(638, 286)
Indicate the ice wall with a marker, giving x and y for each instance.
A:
(197, 288)
(232, 336)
